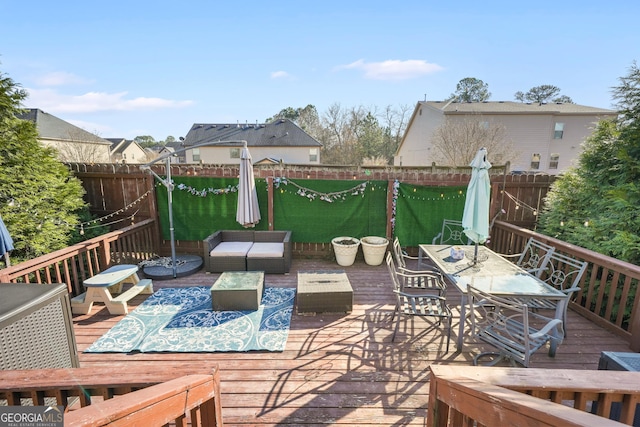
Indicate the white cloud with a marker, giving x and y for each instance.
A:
(61, 78)
(280, 75)
(90, 102)
(394, 69)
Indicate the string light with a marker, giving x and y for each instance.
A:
(311, 194)
(520, 203)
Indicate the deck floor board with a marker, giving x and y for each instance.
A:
(336, 369)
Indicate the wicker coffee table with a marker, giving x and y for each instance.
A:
(237, 290)
(326, 291)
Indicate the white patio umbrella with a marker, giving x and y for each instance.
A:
(475, 219)
(6, 243)
(248, 213)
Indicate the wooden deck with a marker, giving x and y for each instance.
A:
(337, 368)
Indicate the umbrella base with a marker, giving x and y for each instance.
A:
(162, 268)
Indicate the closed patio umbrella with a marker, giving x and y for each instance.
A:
(248, 213)
(475, 219)
(6, 243)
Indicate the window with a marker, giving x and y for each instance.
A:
(535, 161)
(313, 154)
(196, 155)
(553, 161)
(234, 153)
(484, 125)
(558, 131)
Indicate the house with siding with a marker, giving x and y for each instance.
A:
(127, 151)
(72, 143)
(547, 136)
(280, 141)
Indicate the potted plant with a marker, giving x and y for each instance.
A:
(345, 249)
(374, 249)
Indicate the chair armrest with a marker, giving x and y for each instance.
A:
(510, 255)
(435, 239)
(412, 295)
(417, 273)
(570, 291)
(208, 244)
(212, 241)
(288, 250)
(555, 323)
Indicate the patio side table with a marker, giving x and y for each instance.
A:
(237, 290)
(324, 292)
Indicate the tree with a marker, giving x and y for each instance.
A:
(542, 94)
(77, 149)
(40, 197)
(471, 89)
(145, 141)
(594, 205)
(456, 142)
(627, 96)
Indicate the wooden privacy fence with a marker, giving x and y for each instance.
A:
(608, 290)
(121, 190)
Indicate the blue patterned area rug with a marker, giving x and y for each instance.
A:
(182, 320)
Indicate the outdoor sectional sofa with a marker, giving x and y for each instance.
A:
(248, 250)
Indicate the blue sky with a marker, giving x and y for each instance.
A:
(128, 68)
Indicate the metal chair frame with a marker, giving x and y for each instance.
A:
(431, 304)
(506, 324)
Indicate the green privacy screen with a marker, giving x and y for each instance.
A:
(203, 205)
(420, 211)
(319, 210)
(315, 210)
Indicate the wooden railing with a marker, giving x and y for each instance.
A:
(493, 396)
(124, 396)
(608, 295)
(76, 263)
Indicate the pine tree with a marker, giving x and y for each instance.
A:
(39, 197)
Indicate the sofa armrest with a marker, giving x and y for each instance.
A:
(288, 249)
(207, 246)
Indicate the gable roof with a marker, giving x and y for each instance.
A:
(120, 145)
(51, 127)
(279, 133)
(510, 107)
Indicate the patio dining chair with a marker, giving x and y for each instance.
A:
(423, 268)
(451, 233)
(563, 273)
(428, 280)
(409, 304)
(532, 256)
(507, 325)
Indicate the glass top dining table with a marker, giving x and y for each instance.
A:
(490, 273)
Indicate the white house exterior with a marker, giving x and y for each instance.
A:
(280, 141)
(72, 143)
(127, 151)
(547, 136)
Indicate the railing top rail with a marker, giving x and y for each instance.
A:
(156, 405)
(627, 268)
(29, 265)
(93, 377)
(544, 379)
(491, 404)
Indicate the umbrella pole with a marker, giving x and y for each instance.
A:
(170, 212)
(475, 255)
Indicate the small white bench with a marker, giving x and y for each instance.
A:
(112, 278)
